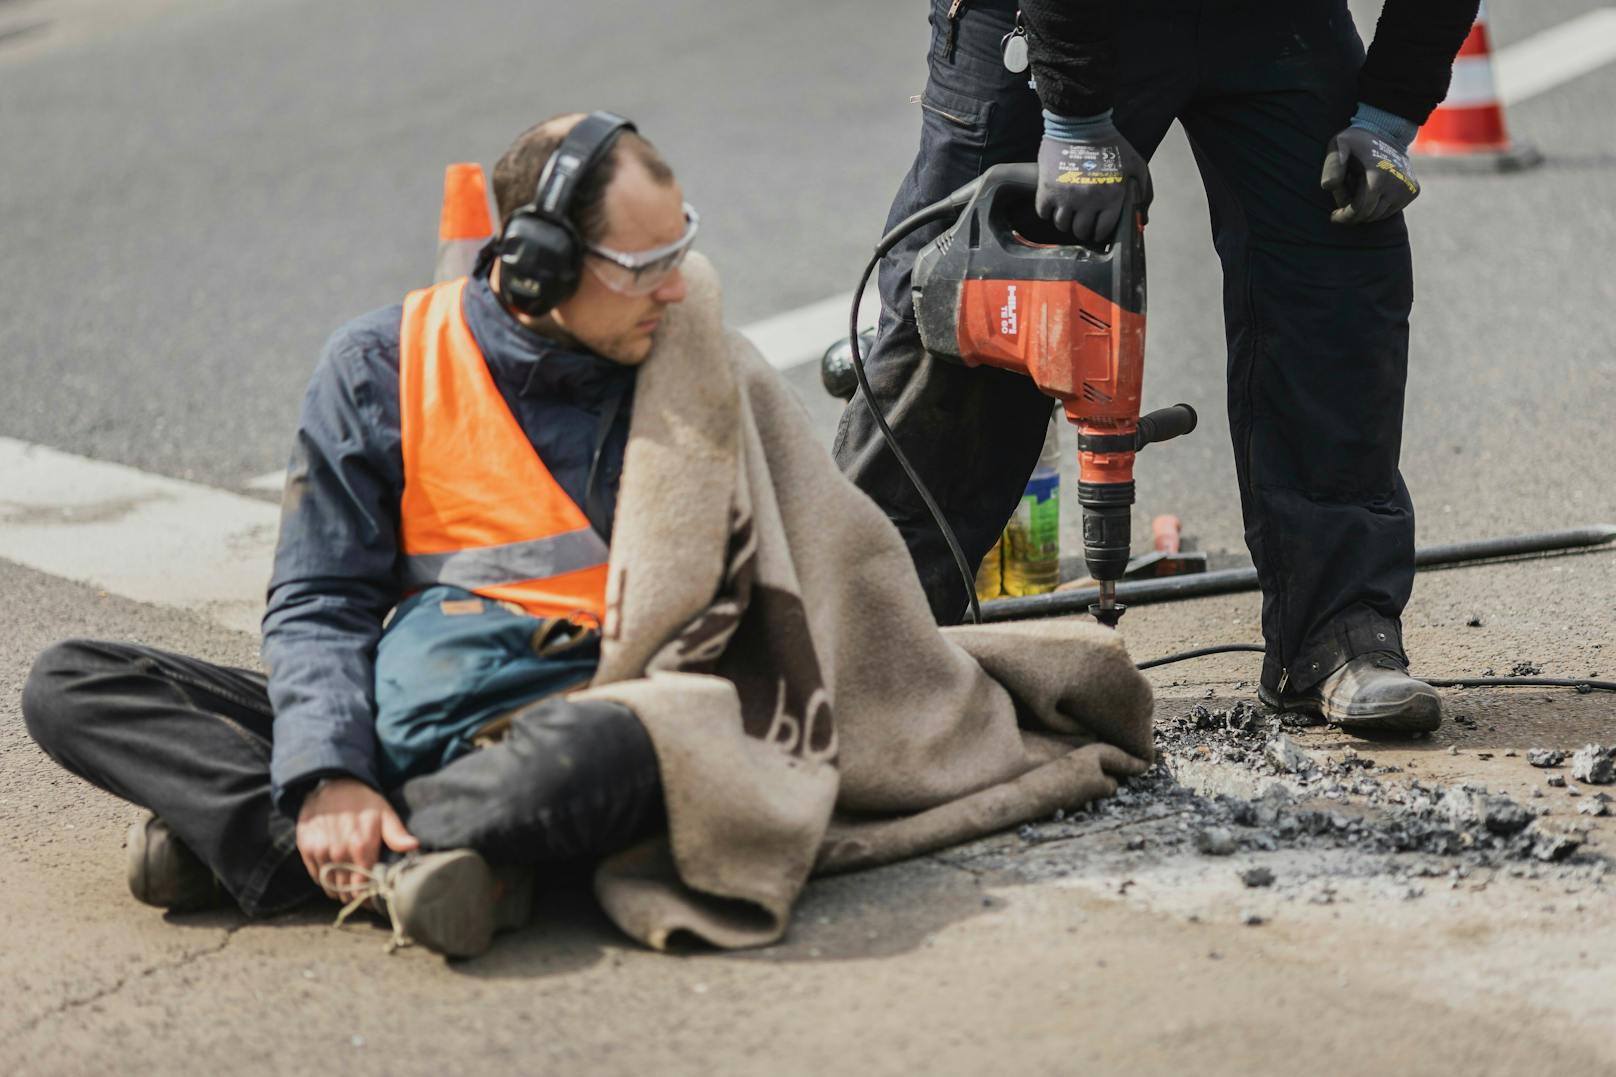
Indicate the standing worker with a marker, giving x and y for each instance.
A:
(1302, 144)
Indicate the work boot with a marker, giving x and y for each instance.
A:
(449, 902)
(1372, 693)
(164, 872)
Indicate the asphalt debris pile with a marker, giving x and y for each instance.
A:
(1289, 798)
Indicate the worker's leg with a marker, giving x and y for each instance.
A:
(972, 434)
(570, 781)
(184, 738)
(1317, 321)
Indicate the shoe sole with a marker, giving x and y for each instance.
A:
(1417, 712)
(145, 873)
(449, 908)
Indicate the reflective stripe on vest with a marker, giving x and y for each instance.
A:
(480, 510)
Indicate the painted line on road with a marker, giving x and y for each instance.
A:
(786, 340)
(802, 335)
(272, 482)
(1555, 56)
(146, 537)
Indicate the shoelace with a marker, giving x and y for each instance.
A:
(373, 885)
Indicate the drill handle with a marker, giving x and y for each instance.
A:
(1165, 424)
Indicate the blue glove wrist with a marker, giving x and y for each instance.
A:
(1377, 121)
(1075, 128)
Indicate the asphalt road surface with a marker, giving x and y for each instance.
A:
(193, 195)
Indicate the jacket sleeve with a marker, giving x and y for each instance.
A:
(1411, 60)
(1071, 45)
(335, 565)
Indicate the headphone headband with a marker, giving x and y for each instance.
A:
(540, 252)
(590, 140)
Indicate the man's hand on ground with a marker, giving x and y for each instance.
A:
(346, 821)
(1368, 175)
(1085, 168)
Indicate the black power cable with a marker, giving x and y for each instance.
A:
(1581, 684)
(886, 431)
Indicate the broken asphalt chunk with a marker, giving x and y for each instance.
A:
(1283, 753)
(1594, 765)
(1214, 841)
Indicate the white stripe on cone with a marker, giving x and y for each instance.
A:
(1472, 84)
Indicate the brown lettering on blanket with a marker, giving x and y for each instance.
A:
(757, 637)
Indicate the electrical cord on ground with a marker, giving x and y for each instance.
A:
(1581, 684)
(1200, 652)
(886, 431)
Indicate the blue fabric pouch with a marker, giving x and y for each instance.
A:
(452, 668)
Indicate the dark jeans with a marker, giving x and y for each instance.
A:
(1316, 315)
(191, 741)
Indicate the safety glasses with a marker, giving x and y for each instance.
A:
(642, 272)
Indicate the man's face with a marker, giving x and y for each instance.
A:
(641, 215)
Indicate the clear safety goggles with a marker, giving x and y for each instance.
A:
(643, 272)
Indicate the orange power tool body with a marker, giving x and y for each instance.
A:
(1000, 289)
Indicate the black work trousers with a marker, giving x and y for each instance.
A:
(1316, 315)
(191, 741)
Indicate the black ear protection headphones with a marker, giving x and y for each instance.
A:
(541, 254)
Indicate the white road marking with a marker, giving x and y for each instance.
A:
(146, 537)
(786, 340)
(272, 482)
(1555, 56)
(802, 335)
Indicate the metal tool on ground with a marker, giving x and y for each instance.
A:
(1001, 288)
(1233, 580)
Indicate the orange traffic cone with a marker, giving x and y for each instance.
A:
(464, 225)
(1467, 128)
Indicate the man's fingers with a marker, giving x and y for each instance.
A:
(398, 839)
(1105, 225)
(1084, 231)
(1374, 201)
(312, 866)
(1114, 760)
(1334, 177)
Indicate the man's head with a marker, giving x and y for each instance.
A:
(627, 205)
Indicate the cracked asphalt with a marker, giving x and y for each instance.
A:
(195, 193)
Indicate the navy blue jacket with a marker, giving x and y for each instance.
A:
(337, 562)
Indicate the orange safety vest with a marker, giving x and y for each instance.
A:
(480, 510)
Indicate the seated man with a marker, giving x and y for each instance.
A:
(558, 472)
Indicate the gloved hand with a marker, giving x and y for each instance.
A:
(1084, 168)
(1367, 170)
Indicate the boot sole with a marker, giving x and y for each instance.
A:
(1417, 712)
(449, 906)
(171, 879)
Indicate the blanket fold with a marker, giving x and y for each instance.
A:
(764, 622)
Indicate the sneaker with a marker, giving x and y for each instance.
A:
(449, 902)
(165, 873)
(1372, 693)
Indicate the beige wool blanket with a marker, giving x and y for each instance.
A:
(765, 624)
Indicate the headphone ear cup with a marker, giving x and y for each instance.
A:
(539, 262)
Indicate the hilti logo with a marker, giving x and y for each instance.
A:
(1009, 324)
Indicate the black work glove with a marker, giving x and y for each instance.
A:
(1084, 169)
(1368, 174)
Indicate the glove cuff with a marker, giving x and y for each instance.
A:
(1075, 128)
(1377, 121)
